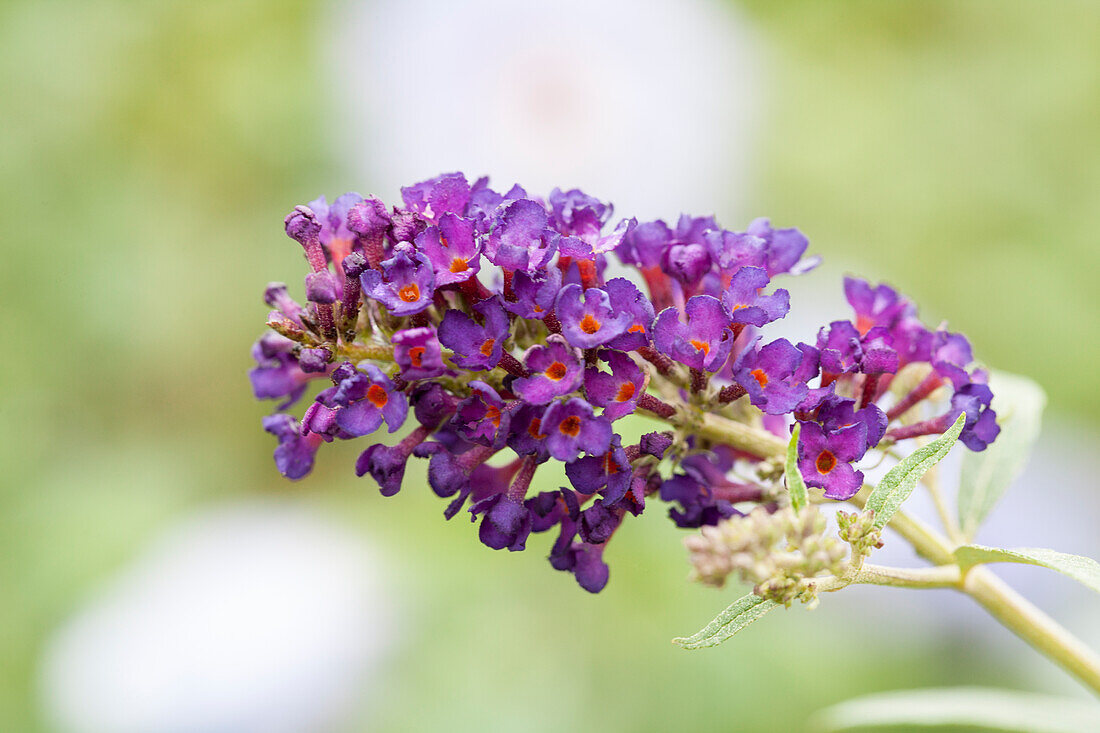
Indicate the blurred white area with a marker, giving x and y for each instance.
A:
(650, 104)
(258, 617)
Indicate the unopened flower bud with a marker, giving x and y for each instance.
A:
(321, 287)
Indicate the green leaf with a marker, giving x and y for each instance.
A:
(982, 708)
(896, 486)
(1082, 569)
(796, 485)
(740, 614)
(1019, 403)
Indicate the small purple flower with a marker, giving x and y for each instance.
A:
(704, 342)
(535, 293)
(320, 418)
(448, 193)
(735, 250)
(367, 398)
(575, 213)
(452, 249)
(951, 355)
(838, 412)
(609, 472)
(698, 506)
(276, 296)
(840, 348)
(746, 305)
(823, 458)
(294, 455)
(645, 245)
(625, 297)
(572, 428)
(407, 226)
(875, 306)
(583, 560)
(386, 463)
(314, 361)
(525, 434)
(775, 375)
(335, 235)
(432, 404)
(687, 262)
(587, 318)
(911, 340)
(370, 220)
(276, 374)
(476, 346)
(506, 522)
(483, 202)
(599, 522)
(321, 287)
(521, 239)
(980, 428)
(482, 417)
(417, 352)
(405, 285)
(556, 370)
(879, 355)
(618, 392)
(655, 444)
(783, 249)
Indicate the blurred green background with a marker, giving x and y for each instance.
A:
(148, 155)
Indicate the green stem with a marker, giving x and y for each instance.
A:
(1042, 632)
(1015, 612)
(941, 576)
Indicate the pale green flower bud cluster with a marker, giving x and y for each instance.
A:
(778, 553)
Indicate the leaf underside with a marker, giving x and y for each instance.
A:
(737, 616)
(1084, 570)
(985, 476)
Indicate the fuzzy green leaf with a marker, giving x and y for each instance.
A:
(1084, 570)
(984, 709)
(740, 614)
(1019, 403)
(796, 485)
(896, 486)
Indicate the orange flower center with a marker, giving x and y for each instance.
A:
(377, 396)
(589, 324)
(609, 465)
(701, 346)
(626, 391)
(863, 324)
(493, 413)
(416, 356)
(636, 328)
(487, 347)
(760, 376)
(825, 462)
(570, 426)
(459, 265)
(556, 371)
(410, 293)
(534, 429)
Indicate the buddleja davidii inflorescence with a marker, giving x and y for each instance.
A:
(500, 320)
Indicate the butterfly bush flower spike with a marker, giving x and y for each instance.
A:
(499, 331)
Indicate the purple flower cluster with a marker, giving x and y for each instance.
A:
(502, 321)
